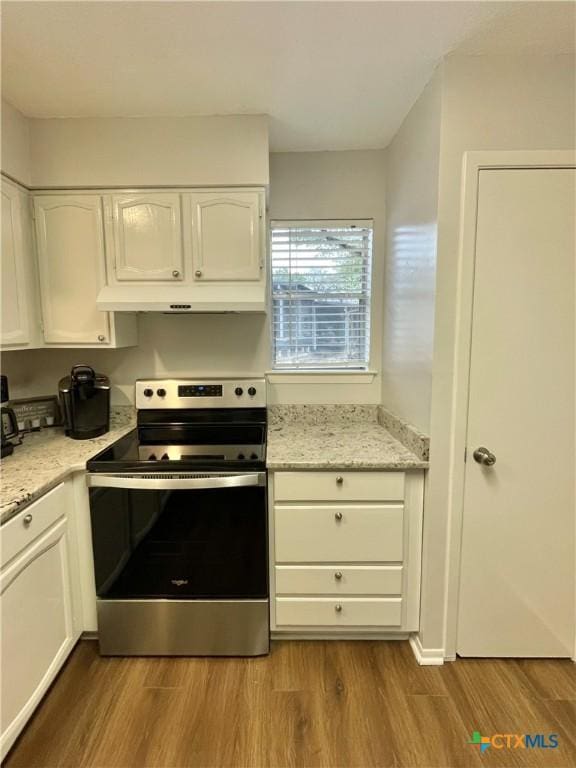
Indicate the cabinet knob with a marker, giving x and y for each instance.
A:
(101, 337)
(175, 273)
(339, 480)
(338, 608)
(338, 516)
(27, 520)
(198, 273)
(338, 575)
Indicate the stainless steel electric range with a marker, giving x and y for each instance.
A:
(179, 523)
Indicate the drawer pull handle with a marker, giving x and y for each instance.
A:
(27, 520)
(339, 480)
(338, 575)
(338, 608)
(338, 516)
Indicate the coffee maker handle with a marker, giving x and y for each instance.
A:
(82, 372)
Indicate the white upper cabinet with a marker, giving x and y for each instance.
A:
(71, 260)
(227, 242)
(20, 319)
(147, 235)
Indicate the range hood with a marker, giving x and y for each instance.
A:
(181, 299)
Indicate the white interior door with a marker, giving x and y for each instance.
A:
(517, 569)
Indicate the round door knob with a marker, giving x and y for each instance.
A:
(338, 516)
(338, 575)
(251, 391)
(339, 480)
(338, 608)
(198, 273)
(484, 456)
(238, 391)
(175, 273)
(161, 392)
(101, 338)
(148, 392)
(27, 520)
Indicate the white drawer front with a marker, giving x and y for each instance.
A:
(334, 612)
(339, 486)
(32, 521)
(338, 533)
(338, 580)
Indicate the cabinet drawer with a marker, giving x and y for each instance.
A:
(339, 579)
(323, 533)
(338, 486)
(32, 521)
(335, 612)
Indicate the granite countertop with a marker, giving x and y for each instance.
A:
(47, 457)
(299, 437)
(337, 437)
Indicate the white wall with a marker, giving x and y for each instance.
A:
(412, 168)
(324, 185)
(487, 103)
(153, 151)
(15, 144)
(334, 185)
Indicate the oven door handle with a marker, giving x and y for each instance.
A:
(175, 482)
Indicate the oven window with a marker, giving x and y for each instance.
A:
(180, 544)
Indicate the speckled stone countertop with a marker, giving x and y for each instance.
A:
(334, 437)
(47, 457)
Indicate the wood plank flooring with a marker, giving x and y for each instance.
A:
(307, 705)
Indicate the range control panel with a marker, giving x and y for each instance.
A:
(210, 393)
(200, 390)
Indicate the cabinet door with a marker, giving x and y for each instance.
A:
(15, 327)
(147, 237)
(37, 629)
(226, 235)
(71, 260)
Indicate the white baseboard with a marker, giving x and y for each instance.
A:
(426, 656)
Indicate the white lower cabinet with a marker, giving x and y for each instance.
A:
(346, 612)
(345, 552)
(338, 579)
(39, 625)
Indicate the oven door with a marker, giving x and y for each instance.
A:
(179, 537)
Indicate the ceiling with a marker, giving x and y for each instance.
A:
(331, 75)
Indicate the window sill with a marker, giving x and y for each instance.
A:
(320, 377)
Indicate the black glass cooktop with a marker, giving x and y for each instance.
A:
(169, 441)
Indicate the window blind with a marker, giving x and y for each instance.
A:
(321, 279)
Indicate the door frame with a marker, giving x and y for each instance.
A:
(473, 163)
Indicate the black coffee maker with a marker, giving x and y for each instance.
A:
(85, 400)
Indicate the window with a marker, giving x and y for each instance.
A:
(321, 274)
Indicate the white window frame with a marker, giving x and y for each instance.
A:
(350, 371)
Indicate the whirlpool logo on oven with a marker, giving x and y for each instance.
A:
(514, 741)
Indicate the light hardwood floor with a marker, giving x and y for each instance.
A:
(340, 704)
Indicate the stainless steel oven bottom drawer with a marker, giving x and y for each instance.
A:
(183, 627)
